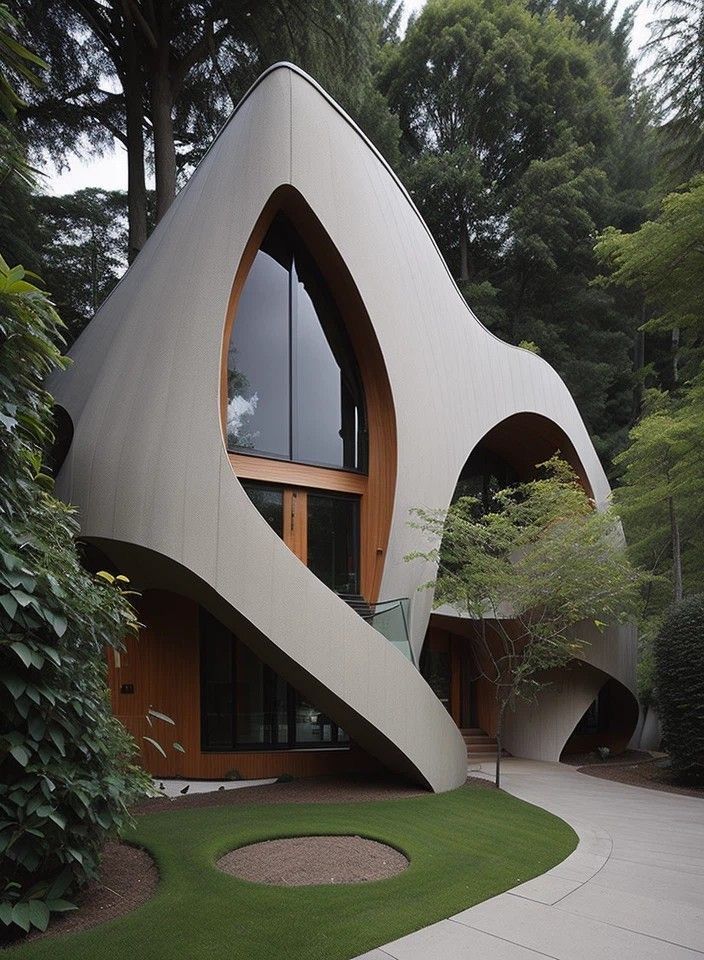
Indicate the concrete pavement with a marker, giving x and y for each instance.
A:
(632, 890)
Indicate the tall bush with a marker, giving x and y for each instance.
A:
(679, 681)
(66, 767)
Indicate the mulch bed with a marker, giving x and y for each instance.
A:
(641, 773)
(301, 861)
(347, 789)
(128, 878)
(586, 759)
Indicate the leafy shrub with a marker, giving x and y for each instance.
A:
(66, 768)
(679, 678)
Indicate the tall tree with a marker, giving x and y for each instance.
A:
(17, 65)
(677, 74)
(523, 136)
(160, 78)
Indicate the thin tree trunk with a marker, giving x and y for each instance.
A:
(464, 252)
(675, 354)
(676, 552)
(134, 115)
(163, 129)
(499, 742)
(638, 364)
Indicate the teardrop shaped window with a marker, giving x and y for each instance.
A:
(294, 388)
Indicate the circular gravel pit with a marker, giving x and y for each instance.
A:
(302, 861)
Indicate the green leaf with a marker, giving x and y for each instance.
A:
(5, 913)
(20, 916)
(23, 652)
(39, 914)
(58, 738)
(60, 906)
(10, 605)
(155, 744)
(177, 746)
(21, 755)
(13, 683)
(22, 598)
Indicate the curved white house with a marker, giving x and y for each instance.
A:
(283, 373)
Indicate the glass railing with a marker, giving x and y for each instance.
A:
(390, 618)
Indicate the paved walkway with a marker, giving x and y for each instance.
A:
(632, 890)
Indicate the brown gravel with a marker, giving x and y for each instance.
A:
(128, 878)
(586, 759)
(644, 774)
(300, 861)
(348, 789)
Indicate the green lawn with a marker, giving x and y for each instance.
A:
(464, 846)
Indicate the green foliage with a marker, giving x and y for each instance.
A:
(83, 250)
(529, 572)
(677, 39)
(19, 64)
(66, 769)
(663, 261)
(661, 493)
(524, 134)
(679, 676)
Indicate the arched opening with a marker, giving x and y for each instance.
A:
(306, 407)
(609, 721)
(509, 453)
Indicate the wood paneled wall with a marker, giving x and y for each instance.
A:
(377, 489)
(162, 664)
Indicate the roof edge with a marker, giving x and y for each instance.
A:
(293, 68)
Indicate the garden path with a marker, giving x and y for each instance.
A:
(632, 890)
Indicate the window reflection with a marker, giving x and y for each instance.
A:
(294, 390)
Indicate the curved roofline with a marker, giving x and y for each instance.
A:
(292, 68)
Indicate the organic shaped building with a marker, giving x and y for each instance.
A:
(283, 373)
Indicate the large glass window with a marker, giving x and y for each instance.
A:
(294, 390)
(245, 705)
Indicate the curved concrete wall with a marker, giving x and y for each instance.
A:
(148, 466)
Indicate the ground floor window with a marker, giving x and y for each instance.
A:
(245, 705)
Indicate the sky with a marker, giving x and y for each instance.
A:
(109, 172)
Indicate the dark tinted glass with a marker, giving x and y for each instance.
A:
(247, 705)
(269, 501)
(294, 389)
(217, 688)
(333, 541)
(258, 362)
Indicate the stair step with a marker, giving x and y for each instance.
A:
(472, 732)
(482, 748)
(484, 739)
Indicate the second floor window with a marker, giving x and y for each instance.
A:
(294, 389)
